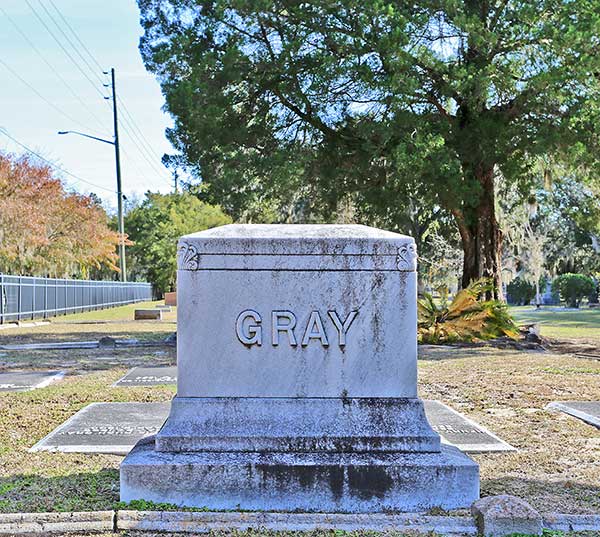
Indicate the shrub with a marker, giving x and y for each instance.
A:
(466, 318)
(520, 292)
(573, 287)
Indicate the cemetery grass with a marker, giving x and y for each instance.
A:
(562, 323)
(93, 325)
(555, 467)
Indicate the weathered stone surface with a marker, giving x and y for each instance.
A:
(462, 432)
(56, 523)
(171, 299)
(588, 411)
(336, 482)
(22, 381)
(203, 522)
(297, 379)
(297, 424)
(105, 428)
(497, 516)
(147, 315)
(148, 376)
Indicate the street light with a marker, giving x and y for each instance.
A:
(114, 143)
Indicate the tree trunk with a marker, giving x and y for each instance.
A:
(481, 236)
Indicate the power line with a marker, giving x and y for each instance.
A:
(100, 68)
(134, 138)
(56, 167)
(77, 51)
(136, 135)
(67, 53)
(51, 67)
(127, 113)
(49, 103)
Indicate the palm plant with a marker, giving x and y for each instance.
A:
(467, 318)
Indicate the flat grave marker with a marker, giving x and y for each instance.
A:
(588, 411)
(458, 430)
(23, 381)
(106, 428)
(148, 376)
(117, 427)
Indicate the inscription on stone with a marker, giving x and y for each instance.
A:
(285, 330)
(106, 428)
(460, 431)
(148, 376)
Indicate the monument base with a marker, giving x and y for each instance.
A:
(309, 482)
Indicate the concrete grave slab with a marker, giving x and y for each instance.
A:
(148, 376)
(458, 430)
(588, 411)
(23, 381)
(106, 428)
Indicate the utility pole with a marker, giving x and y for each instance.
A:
(114, 142)
(122, 264)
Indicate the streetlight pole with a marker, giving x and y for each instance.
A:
(115, 143)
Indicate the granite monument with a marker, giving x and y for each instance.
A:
(297, 379)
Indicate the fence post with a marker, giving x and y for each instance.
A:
(45, 298)
(1, 298)
(19, 301)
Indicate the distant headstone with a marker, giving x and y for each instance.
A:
(588, 411)
(163, 307)
(460, 431)
(171, 339)
(107, 342)
(297, 380)
(171, 299)
(22, 381)
(106, 428)
(147, 315)
(148, 376)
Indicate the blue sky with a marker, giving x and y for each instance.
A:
(110, 30)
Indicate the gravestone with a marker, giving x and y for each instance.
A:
(588, 411)
(171, 299)
(297, 379)
(23, 381)
(460, 431)
(148, 376)
(105, 428)
(147, 315)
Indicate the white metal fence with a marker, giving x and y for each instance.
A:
(26, 297)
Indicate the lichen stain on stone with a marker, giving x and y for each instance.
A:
(367, 482)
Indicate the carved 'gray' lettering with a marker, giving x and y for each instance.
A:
(285, 329)
(248, 328)
(342, 327)
(289, 323)
(315, 330)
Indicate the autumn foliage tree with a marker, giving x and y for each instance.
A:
(47, 231)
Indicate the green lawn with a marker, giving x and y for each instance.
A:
(561, 323)
(92, 325)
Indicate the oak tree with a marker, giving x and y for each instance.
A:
(303, 104)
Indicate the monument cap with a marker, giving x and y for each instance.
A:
(297, 247)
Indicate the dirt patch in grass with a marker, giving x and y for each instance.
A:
(557, 464)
